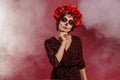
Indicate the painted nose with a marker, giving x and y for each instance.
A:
(66, 24)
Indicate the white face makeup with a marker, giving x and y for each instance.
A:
(66, 23)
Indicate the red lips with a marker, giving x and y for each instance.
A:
(65, 27)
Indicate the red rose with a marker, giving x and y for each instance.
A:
(69, 8)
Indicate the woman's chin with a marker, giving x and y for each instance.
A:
(62, 30)
(65, 30)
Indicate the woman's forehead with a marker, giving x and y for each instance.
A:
(68, 16)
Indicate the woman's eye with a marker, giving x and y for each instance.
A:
(71, 22)
(64, 20)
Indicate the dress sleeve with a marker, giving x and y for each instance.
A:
(51, 55)
(81, 64)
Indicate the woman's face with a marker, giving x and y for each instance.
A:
(66, 23)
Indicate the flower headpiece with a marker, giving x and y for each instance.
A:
(71, 9)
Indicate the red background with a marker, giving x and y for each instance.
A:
(100, 65)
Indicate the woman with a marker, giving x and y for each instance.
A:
(65, 50)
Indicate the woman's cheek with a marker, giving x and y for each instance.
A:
(70, 28)
(60, 25)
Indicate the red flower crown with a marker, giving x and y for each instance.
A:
(69, 8)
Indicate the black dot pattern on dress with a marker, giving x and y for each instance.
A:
(71, 63)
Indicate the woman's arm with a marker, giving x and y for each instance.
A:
(55, 58)
(83, 74)
(82, 62)
(60, 52)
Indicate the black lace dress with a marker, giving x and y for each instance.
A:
(69, 67)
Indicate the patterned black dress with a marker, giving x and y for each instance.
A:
(69, 67)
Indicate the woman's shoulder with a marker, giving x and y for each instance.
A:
(51, 42)
(49, 39)
(76, 37)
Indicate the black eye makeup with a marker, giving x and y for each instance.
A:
(71, 22)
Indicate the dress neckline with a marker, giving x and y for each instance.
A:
(60, 42)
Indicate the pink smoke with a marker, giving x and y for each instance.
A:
(20, 27)
(102, 17)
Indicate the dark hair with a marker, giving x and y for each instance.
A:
(58, 21)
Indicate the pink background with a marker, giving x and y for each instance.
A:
(22, 49)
